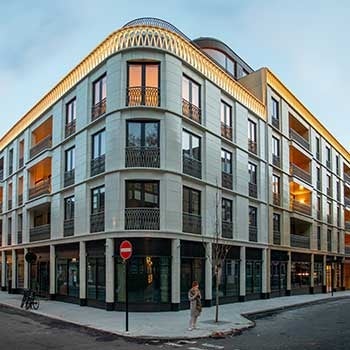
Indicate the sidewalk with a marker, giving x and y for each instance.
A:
(166, 325)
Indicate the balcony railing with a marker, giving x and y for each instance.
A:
(191, 223)
(98, 109)
(276, 160)
(347, 250)
(20, 162)
(43, 187)
(68, 227)
(253, 190)
(329, 218)
(1, 174)
(276, 198)
(277, 237)
(346, 178)
(39, 233)
(43, 144)
(143, 96)
(9, 239)
(300, 173)
(191, 111)
(69, 177)
(301, 207)
(97, 222)
(275, 122)
(142, 219)
(347, 201)
(347, 225)
(10, 169)
(252, 146)
(318, 185)
(97, 165)
(19, 237)
(9, 204)
(142, 157)
(226, 131)
(226, 180)
(329, 246)
(69, 128)
(318, 214)
(299, 139)
(253, 233)
(300, 241)
(227, 228)
(192, 167)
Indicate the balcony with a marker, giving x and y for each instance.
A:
(97, 165)
(253, 190)
(276, 160)
(347, 225)
(252, 146)
(97, 222)
(191, 223)
(300, 207)
(142, 157)
(192, 167)
(226, 180)
(300, 173)
(42, 188)
(226, 131)
(9, 204)
(98, 109)
(347, 250)
(299, 139)
(253, 233)
(68, 227)
(69, 128)
(227, 228)
(20, 162)
(277, 237)
(143, 96)
(275, 122)
(69, 177)
(191, 111)
(19, 237)
(42, 145)
(142, 218)
(39, 233)
(299, 241)
(346, 178)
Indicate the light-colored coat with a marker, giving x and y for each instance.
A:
(192, 297)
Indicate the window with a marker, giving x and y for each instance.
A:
(276, 225)
(338, 242)
(191, 99)
(70, 159)
(337, 165)
(10, 169)
(329, 212)
(98, 200)
(142, 194)
(318, 178)
(252, 172)
(338, 191)
(319, 207)
(9, 231)
(252, 139)
(69, 208)
(253, 221)
(227, 219)
(328, 155)
(71, 109)
(338, 216)
(191, 208)
(276, 151)
(275, 113)
(21, 154)
(329, 185)
(98, 153)
(226, 120)
(318, 148)
(276, 189)
(226, 161)
(1, 169)
(99, 95)
(143, 84)
(318, 238)
(142, 134)
(329, 240)
(191, 153)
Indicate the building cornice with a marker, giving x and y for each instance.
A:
(275, 83)
(138, 37)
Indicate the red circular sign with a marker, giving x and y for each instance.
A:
(125, 250)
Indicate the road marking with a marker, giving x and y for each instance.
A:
(186, 341)
(174, 344)
(212, 346)
(196, 349)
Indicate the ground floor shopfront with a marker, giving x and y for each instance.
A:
(161, 272)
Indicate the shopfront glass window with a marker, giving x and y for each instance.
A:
(300, 274)
(253, 276)
(192, 270)
(229, 279)
(96, 280)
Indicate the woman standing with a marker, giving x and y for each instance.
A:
(194, 296)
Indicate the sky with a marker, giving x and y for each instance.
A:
(306, 43)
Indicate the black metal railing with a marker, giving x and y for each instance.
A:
(277, 237)
(227, 180)
(1, 174)
(276, 160)
(192, 167)
(276, 198)
(299, 241)
(142, 157)
(19, 237)
(43, 144)
(191, 223)
(294, 135)
(68, 227)
(227, 229)
(143, 96)
(97, 222)
(39, 233)
(20, 199)
(97, 165)
(142, 219)
(20, 162)
(69, 128)
(300, 173)
(191, 111)
(253, 233)
(301, 207)
(69, 177)
(253, 190)
(252, 146)
(329, 218)
(226, 131)
(98, 109)
(329, 245)
(275, 122)
(43, 187)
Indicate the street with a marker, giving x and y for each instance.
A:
(323, 326)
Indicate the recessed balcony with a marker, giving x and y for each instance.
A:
(39, 233)
(43, 187)
(142, 219)
(300, 241)
(143, 96)
(41, 138)
(298, 132)
(301, 207)
(191, 223)
(42, 145)
(299, 139)
(191, 111)
(142, 157)
(300, 173)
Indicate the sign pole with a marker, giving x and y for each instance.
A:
(126, 295)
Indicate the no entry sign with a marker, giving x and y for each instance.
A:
(125, 250)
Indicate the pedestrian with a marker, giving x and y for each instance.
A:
(194, 296)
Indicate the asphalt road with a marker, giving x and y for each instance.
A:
(321, 327)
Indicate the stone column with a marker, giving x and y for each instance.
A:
(82, 273)
(242, 277)
(289, 274)
(52, 272)
(324, 274)
(264, 275)
(312, 271)
(175, 274)
(14, 269)
(109, 274)
(208, 274)
(3, 272)
(26, 270)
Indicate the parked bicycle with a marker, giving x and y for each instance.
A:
(30, 300)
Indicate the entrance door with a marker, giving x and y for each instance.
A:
(191, 270)
(329, 278)
(279, 277)
(40, 278)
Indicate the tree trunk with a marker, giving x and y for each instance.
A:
(217, 295)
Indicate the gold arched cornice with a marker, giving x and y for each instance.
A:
(138, 37)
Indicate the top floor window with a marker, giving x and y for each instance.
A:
(10, 162)
(191, 99)
(143, 84)
(337, 165)
(99, 95)
(318, 147)
(226, 120)
(328, 155)
(252, 137)
(275, 113)
(70, 117)
(1, 169)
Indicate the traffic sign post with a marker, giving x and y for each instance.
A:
(125, 251)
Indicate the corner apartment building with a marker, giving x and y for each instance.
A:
(168, 142)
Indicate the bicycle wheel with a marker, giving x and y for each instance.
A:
(35, 304)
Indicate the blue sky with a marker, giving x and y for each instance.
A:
(305, 43)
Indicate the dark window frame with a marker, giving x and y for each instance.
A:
(275, 108)
(192, 135)
(223, 114)
(97, 134)
(72, 159)
(71, 110)
(143, 192)
(100, 80)
(190, 92)
(143, 128)
(191, 191)
(225, 160)
(69, 208)
(97, 191)
(225, 207)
